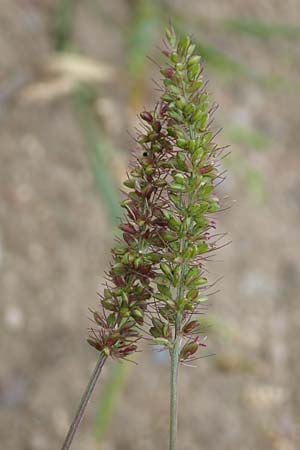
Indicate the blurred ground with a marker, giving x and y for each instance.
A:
(55, 237)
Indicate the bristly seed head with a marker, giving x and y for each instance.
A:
(158, 267)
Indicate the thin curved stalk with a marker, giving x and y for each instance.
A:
(84, 402)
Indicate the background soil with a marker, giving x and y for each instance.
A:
(55, 240)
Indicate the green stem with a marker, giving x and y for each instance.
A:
(173, 392)
(84, 402)
(177, 337)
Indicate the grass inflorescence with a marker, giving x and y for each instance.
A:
(157, 285)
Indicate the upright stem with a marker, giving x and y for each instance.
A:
(84, 401)
(173, 393)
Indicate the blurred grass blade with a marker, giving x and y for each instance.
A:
(262, 29)
(224, 65)
(230, 67)
(140, 35)
(222, 62)
(97, 150)
(255, 139)
(99, 10)
(250, 176)
(63, 24)
(255, 182)
(110, 393)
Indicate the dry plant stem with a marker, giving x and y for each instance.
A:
(84, 402)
